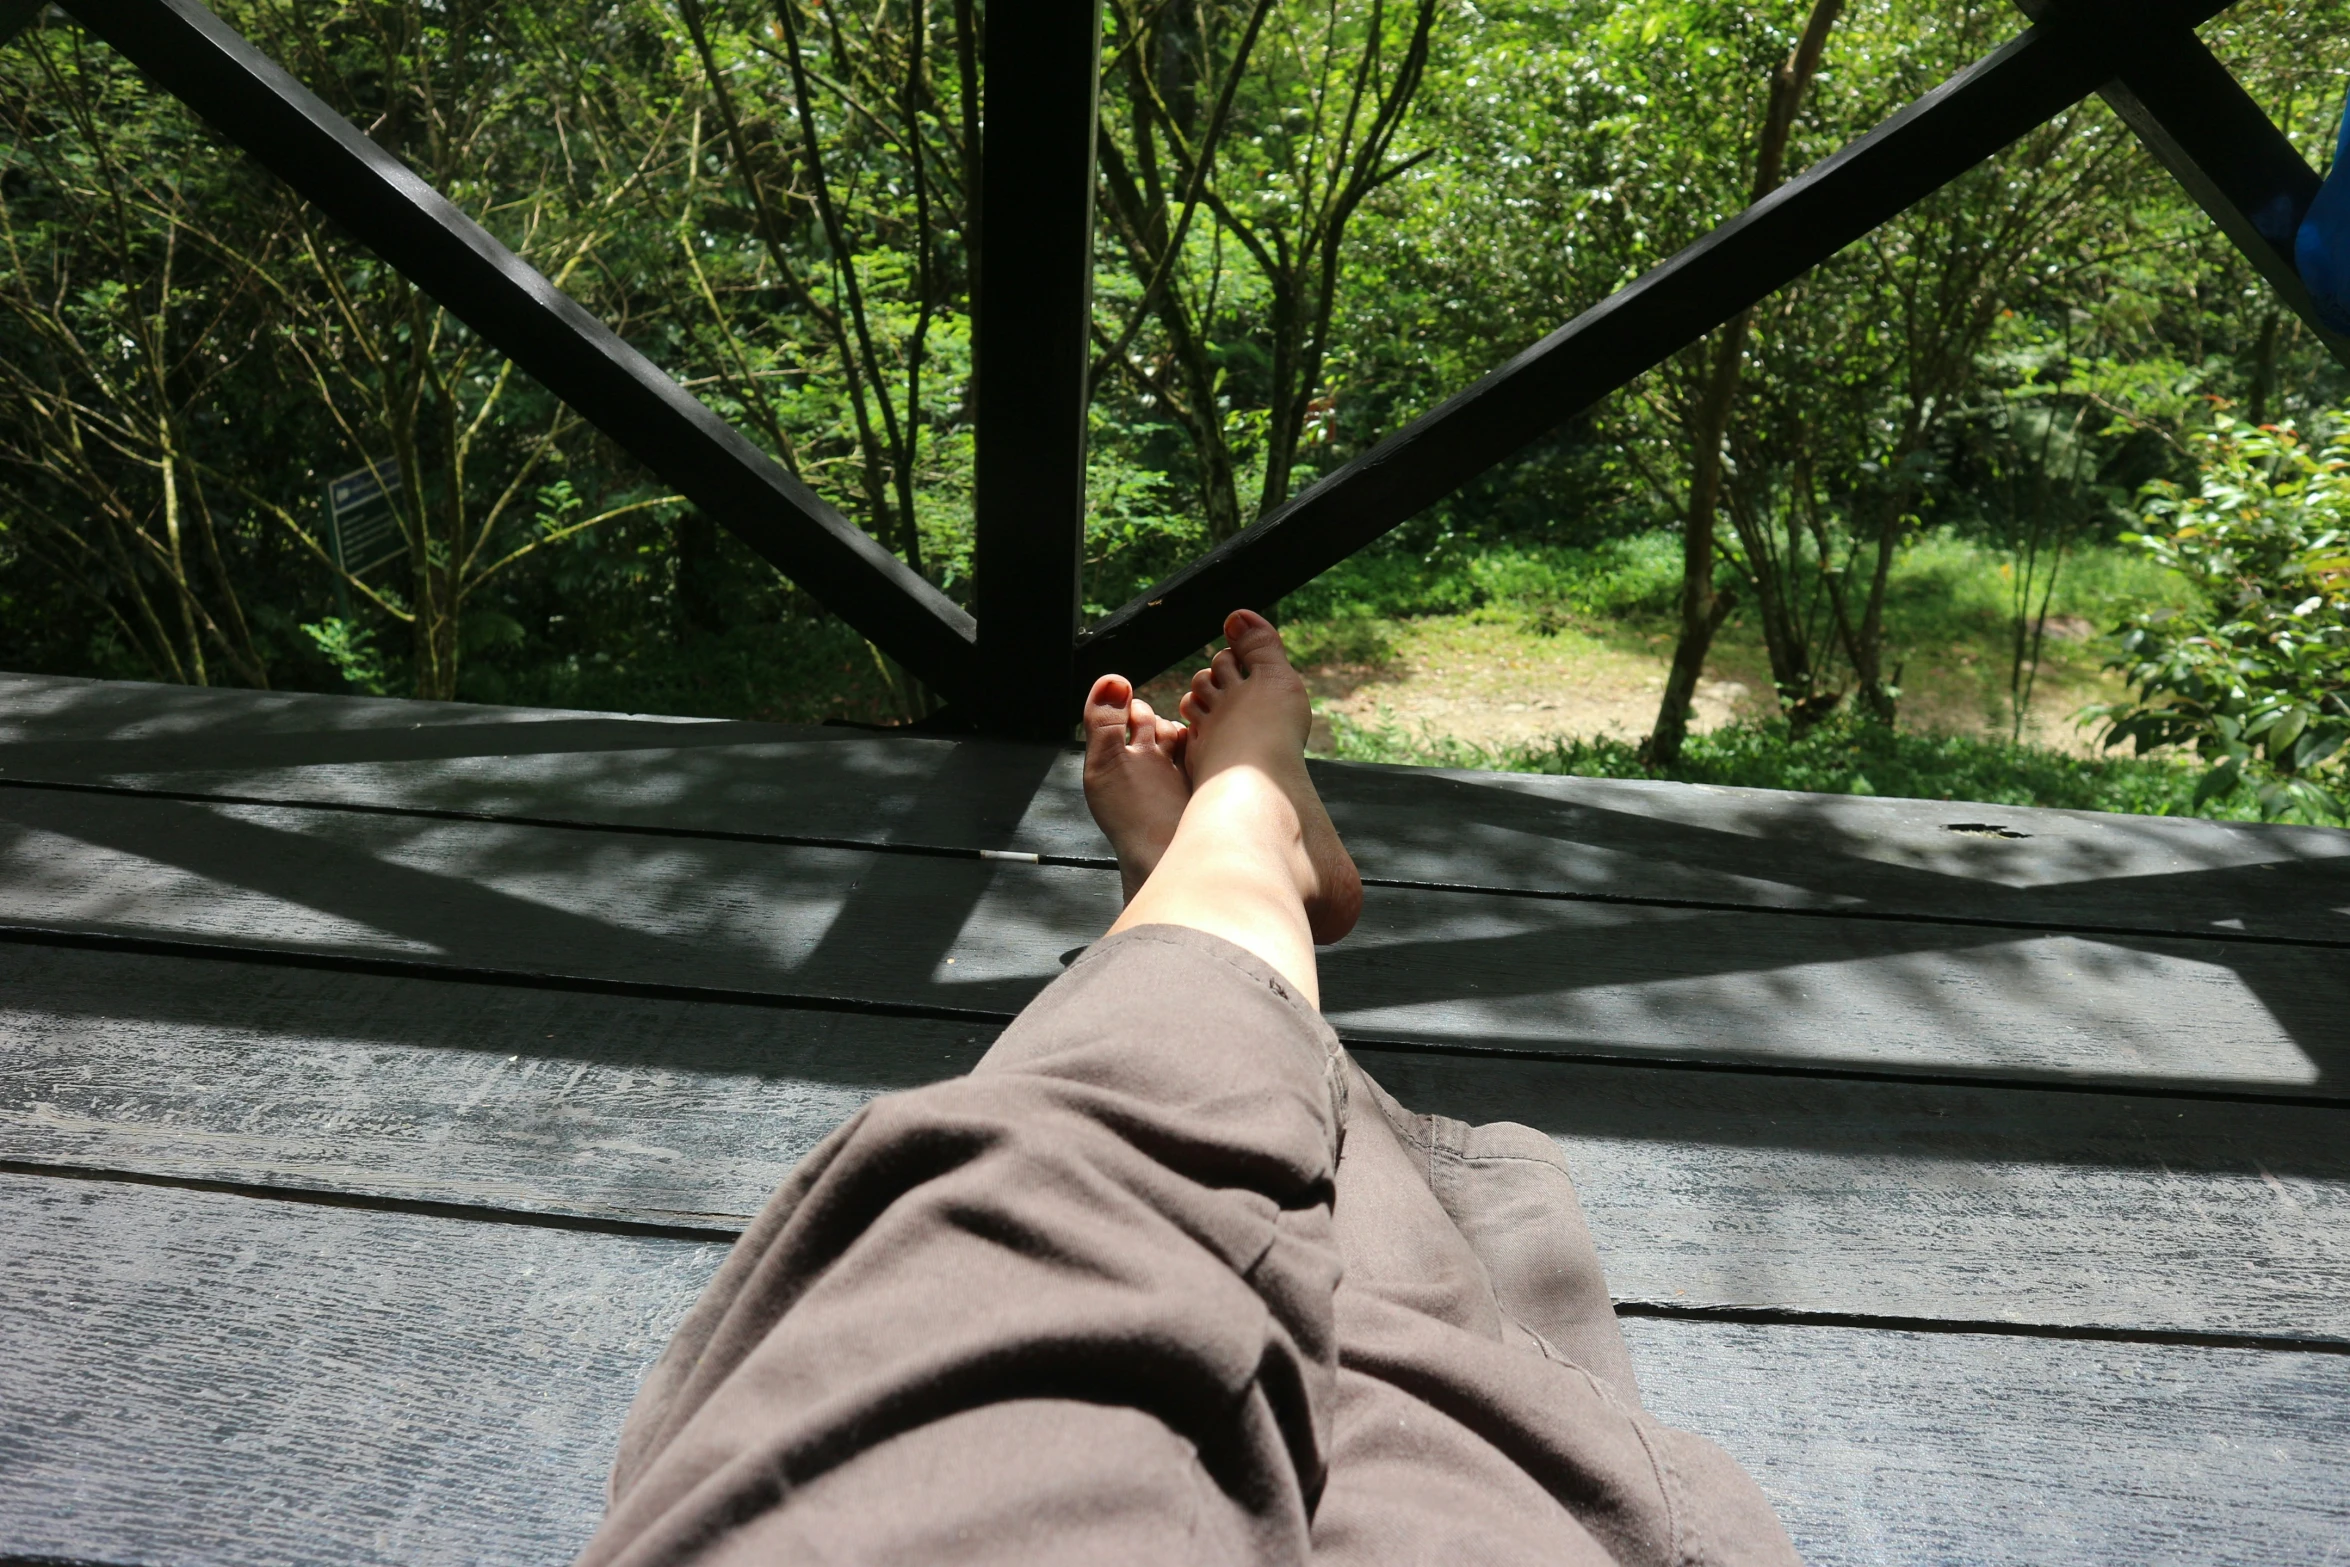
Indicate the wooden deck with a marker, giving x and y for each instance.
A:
(379, 1082)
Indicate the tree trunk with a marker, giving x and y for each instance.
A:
(1138, 204)
(1702, 609)
(1203, 418)
(1867, 646)
(2264, 369)
(1285, 412)
(433, 633)
(1791, 670)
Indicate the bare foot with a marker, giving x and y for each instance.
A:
(1249, 710)
(1134, 779)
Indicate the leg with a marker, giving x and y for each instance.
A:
(1077, 1306)
(1086, 1303)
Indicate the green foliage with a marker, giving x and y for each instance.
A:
(2255, 675)
(2009, 362)
(1963, 580)
(1634, 576)
(1137, 525)
(801, 671)
(2010, 359)
(351, 649)
(1946, 585)
(1841, 757)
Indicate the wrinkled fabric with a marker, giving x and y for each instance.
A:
(1166, 1278)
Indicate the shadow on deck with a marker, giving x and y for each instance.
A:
(1914, 1152)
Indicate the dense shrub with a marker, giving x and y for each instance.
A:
(2255, 674)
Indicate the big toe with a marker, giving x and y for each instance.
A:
(1105, 712)
(1254, 639)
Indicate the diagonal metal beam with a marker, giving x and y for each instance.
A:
(199, 59)
(2024, 83)
(1031, 317)
(2199, 123)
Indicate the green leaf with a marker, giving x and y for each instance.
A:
(2221, 780)
(2285, 730)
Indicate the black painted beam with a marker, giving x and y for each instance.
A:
(196, 57)
(1967, 119)
(1030, 320)
(2199, 123)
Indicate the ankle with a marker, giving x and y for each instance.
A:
(1229, 887)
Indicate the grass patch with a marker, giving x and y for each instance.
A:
(1637, 577)
(1345, 639)
(1941, 580)
(1942, 584)
(1851, 757)
(1949, 633)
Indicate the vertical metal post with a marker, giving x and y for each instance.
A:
(1032, 331)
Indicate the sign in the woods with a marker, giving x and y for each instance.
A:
(361, 528)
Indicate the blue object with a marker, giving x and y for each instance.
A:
(2322, 249)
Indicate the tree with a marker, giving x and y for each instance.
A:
(128, 318)
(367, 371)
(861, 195)
(496, 105)
(1702, 608)
(1215, 141)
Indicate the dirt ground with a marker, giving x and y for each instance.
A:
(1500, 682)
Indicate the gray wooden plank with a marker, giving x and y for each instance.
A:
(66, 709)
(618, 769)
(616, 1107)
(193, 1377)
(1459, 968)
(1889, 1449)
(1581, 837)
(1513, 974)
(1703, 1188)
(187, 1377)
(1978, 1204)
(1782, 849)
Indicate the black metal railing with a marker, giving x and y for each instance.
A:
(1032, 306)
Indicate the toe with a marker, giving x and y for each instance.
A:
(1254, 639)
(1105, 712)
(1225, 667)
(1143, 721)
(1203, 692)
(1192, 708)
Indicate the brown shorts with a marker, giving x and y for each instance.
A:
(1166, 1278)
